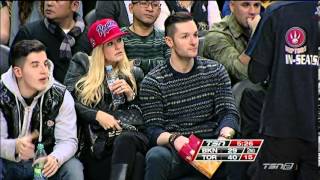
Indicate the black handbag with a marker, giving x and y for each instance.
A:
(132, 116)
(102, 140)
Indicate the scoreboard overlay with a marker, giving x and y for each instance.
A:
(241, 150)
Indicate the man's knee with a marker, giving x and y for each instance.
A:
(72, 169)
(158, 154)
(1, 169)
(16, 170)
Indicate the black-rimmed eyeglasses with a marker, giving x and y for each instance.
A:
(146, 4)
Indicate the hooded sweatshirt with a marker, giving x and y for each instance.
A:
(65, 130)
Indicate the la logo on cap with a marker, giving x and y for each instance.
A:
(103, 30)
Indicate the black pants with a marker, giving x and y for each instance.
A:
(250, 109)
(286, 159)
(128, 148)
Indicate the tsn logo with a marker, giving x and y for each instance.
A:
(279, 166)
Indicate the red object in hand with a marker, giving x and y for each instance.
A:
(189, 151)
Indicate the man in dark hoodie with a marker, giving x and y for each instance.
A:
(31, 100)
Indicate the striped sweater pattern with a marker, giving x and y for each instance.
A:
(147, 51)
(198, 102)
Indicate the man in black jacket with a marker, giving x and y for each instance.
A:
(62, 31)
(284, 50)
(31, 100)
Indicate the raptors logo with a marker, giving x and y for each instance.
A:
(295, 37)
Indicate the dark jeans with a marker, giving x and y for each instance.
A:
(70, 170)
(164, 163)
(1, 169)
(128, 148)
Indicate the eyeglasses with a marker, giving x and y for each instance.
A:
(146, 4)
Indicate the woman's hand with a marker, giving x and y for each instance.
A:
(121, 86)
(107, 121)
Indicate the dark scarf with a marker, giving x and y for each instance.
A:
(69, 38)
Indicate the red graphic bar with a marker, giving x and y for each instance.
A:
(245, 143)
(250, 157)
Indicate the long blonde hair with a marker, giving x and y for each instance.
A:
(90, 88)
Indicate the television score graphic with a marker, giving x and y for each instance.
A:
(206, 155)
(236, 150)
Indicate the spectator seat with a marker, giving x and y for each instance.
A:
(91, 17)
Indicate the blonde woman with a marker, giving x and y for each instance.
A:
(86, 80)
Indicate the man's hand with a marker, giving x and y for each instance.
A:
(179, 142)
(244, 59)
(51, 166)
(253, 22)
(25, 147)
(226, 133)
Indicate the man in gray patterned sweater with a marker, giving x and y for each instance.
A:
(186, 95)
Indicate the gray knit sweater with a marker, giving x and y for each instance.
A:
(198, 102)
